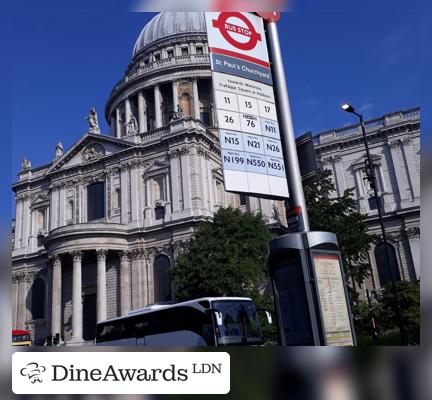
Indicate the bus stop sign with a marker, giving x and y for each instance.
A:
(227, 29)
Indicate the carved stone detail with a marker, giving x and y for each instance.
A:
(55, 258)
(101, 254)
(178, 152)
(204, 153)
(77, 255)
(180, 247)
(24, 277)
(93, 151)
(138, 253)
(413, 232)
(125, 255)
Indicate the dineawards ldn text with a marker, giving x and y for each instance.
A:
(113, 374)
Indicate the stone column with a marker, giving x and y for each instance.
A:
(175, 95)
(54, 208)
(174, 176)
(125, 264)
(158, 110)
(118, 124)
(149, 261)
(113, 124)
(136, 199)
(56, 295)
(26, 223)
(397, 167)
(124, 183)
(339, 174)
(128, 113)
(136, 284)
(411, 169)
(77, 307)
(142, 112)
(186, 184)
(196, 99)
(18, 224)
(62, 206)
(101, 285)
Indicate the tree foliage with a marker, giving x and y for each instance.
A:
(226, 257)
(340, 215)
(384, 311)
(408, 295)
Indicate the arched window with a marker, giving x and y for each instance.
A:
(162, 282)
(185, 104)
(38, 299)
(158, 188)
(382, 265)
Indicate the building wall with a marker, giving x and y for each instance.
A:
(394, 142)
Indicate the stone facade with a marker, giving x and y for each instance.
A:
(98, 227)
(394, 142)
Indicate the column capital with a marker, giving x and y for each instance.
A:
(125, 255)
(101, 254)
(77, 255)
(55, 258)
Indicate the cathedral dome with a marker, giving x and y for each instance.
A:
(168, 24)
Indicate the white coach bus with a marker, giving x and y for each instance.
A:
(209, 321)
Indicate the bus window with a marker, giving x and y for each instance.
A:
(240, 322)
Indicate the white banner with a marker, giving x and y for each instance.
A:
(120, 373)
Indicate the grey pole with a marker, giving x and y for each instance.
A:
(292, 168)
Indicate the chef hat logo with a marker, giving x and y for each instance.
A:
(33, 371)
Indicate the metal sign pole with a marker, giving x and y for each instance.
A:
(286, 126)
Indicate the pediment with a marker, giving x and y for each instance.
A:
(40, 199)
(360, 162)
(156, 166)
(89, 148)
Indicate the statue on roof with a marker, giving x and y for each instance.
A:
(178, 114)
(26, 164)
(132, 126)
(59, 150)
(93, 122)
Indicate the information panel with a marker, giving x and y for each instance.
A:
(245, 105)
(333, 301)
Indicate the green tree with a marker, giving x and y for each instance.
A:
(226, 257)
(340, 215)
(408, 294)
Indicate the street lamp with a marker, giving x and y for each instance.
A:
(370, 173)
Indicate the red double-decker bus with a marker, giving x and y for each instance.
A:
(21, 337)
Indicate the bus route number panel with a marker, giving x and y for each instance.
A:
(250, 141)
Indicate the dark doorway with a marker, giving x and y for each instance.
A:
(384, 273)
(89, 316)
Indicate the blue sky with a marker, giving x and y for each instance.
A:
(63, 60)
